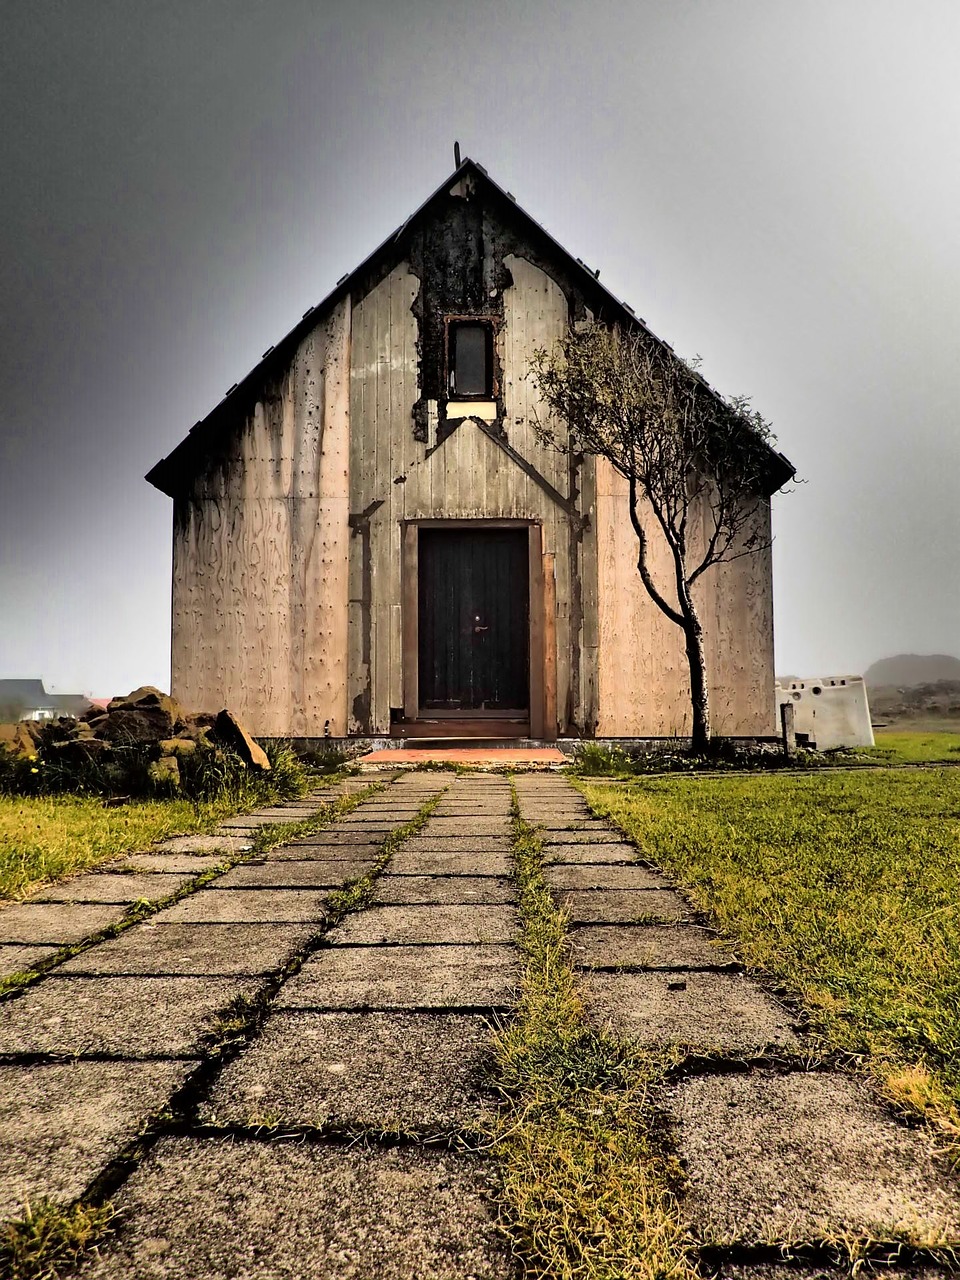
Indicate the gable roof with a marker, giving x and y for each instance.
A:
(169, 473)
(29, 693)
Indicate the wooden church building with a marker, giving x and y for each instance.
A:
(369, 539)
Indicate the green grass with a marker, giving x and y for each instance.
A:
(46, 837)
(43, 838)
(896, 747)
(588, 1190)
(842, 885)
(47, 1241)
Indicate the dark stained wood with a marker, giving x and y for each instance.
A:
(473, 621)
(549, 647)
(411, 673)
(535, 553)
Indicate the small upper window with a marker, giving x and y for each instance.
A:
(469, 360)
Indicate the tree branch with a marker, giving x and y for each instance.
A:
(642, 565)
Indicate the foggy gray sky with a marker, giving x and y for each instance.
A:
(773, 184)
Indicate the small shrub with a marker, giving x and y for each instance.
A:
(329, 760)
(287, 778)
(593, 760)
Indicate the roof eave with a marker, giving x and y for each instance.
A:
(163, 475)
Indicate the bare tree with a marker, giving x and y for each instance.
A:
(699, 461)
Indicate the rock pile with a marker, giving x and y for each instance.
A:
(144, 718)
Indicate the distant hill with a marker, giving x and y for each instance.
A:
(907, 670)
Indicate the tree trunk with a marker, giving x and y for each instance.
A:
(699, 694)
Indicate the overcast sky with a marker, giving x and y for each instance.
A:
(772, 184)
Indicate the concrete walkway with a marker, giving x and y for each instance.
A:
(774, 1150)
(266, 1089)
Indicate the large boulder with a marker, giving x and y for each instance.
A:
(19, 740)
(135, 724)
(78, 751)
(165, 772)
(231, 733)
(32, 731)
(146, 698)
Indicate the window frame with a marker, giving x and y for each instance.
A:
(489, 324)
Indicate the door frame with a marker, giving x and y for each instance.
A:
(410, 556)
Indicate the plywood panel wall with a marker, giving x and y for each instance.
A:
(396, 478)
(260, 556)
(644, 687)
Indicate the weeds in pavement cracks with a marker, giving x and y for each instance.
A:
(588, 1182)
(355, 894)
(844, 889)
(47, 1239)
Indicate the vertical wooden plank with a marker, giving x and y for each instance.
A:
(549, 647)
(537, 727)
(410, 624)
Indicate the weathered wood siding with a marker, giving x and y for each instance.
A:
(395, 477)
(644, 688)
(289, 590)
(260, 555)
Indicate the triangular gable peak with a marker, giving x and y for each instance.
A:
(450, 235)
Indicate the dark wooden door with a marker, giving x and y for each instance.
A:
(474, 629)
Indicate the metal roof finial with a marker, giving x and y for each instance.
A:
(456, 155)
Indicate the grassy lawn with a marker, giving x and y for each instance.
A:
(44, 838)
(914, 747)
(842, 885)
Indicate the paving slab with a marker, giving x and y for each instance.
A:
(203, 844)
(132, 1017)
(404, 978)
(622, 906)
(614, 853)
(559, 809)
(388, 808)
(58, 922)
(406, 925)
(408, 1071)
(290, 874)
(248, 822)
(468, 862)
(307, 850)
(589, 876)
(566, 835)
(269, 1211)
(106, 886)
(193, 863)
(804, 1157)
(336, 836)
(557, 827)
(466, 828)
(14, 959)
(428, 843)
(385, 821)
(253, 906)
(649, 946)
(289, 812)
(722, 1011)
(193, 949)
(60, 1123)
(402, 890)
(494, 808)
